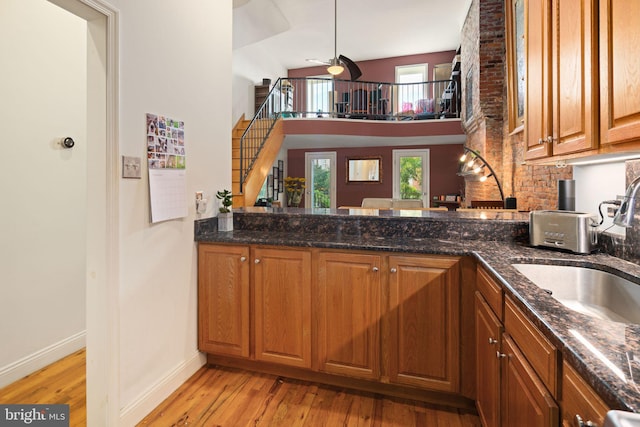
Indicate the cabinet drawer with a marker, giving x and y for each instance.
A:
(578, 398)
(491, 291)
(540, 353)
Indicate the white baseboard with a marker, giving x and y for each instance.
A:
(134, 412)
(41, 358)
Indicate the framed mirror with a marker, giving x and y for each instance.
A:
(364, 169)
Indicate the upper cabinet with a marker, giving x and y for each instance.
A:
(562, 77)
(574, 107)
(619, 71)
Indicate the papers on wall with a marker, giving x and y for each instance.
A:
(166, 158)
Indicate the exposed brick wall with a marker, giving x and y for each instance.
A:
(484, 54)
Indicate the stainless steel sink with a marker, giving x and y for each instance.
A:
(592, 292)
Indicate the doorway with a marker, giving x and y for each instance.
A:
(320, 175)
(411, 175)
(64, 199)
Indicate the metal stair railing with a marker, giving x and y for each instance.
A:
(256, 134)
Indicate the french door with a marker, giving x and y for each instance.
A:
(320, 174)
(411, 175)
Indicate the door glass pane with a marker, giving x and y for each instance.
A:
(411, 177)
(321, 183)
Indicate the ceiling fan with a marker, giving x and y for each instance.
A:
(336, 65)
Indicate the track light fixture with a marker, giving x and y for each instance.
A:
(472, 164)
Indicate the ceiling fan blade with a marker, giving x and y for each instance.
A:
(354, 70)
(317, 61)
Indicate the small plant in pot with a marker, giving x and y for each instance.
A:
(225, 217)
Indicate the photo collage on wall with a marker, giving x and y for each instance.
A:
(165, 143)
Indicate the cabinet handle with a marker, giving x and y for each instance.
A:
(243, 258)
(256, 261)
(492, 341)
(540, 141)
(500, 355)
(577, 422)
(375, 269)
(550, 139)
(394, 270)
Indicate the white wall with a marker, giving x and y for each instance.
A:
(249, 68)
(596, 183)
(43, 186)
(175, 59)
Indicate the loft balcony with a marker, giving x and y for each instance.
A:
(312, 98)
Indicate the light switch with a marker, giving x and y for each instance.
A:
(131, 167)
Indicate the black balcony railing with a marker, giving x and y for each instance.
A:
(344, 99)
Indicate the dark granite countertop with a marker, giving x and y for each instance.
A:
(606, 353)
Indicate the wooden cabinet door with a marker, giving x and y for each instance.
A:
(619, 71)
(525, 400)
(348, 314)
(538, 79)
(223, 299)
(575, 75)
(424, 313)
(282, 306)
(488, 334)
(580, 400)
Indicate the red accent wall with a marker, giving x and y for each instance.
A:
(443, 164)
(372, 127)
(381, 70)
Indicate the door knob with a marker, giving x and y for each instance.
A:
(68, 142)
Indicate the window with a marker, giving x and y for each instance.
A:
(319, 95)
(410, 87)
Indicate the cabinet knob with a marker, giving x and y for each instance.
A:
(256, 261)
(550, 139)
(375, 269)
(394, 270)
(492, 341)
(577, 422)
(540, 141)
(243, 258)
(500, 355)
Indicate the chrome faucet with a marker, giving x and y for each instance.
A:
(624, 216)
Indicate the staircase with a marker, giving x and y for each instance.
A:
(261, 167)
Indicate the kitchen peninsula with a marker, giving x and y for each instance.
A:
(390, 303)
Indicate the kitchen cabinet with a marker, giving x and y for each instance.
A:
(525, 400)
(388, 320)
(280, 282)
(223, 299)
(516, 379)
(348, 314)
(580, 403)
(488, 335)
(619, 72)
(424, 314)
(282, 306)
(562, 77)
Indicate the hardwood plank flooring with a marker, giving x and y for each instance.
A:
(62, 382)
(227, 397)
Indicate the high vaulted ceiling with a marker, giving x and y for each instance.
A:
(295, 30)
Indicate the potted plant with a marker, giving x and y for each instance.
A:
(225, 217)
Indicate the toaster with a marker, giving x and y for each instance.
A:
(568, 230)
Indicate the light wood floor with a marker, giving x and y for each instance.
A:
(62, 382)
(226, 397)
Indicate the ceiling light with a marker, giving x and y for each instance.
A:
(335, 67)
